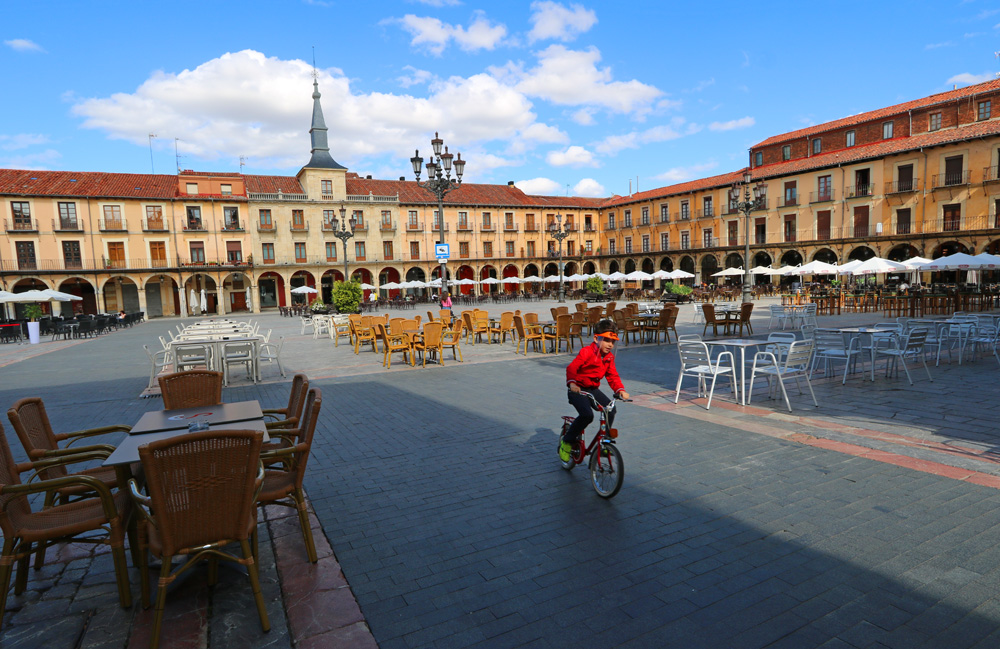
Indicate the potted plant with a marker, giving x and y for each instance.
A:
(33, 312)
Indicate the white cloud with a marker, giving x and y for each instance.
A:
(680, 174)
(572, 78)
(702, 85)
(534, 134)
(435, 35)
(539, 186)
(934, 46)
(23, 45)
(574, 156)
(677, 128)
(21, 141)
(584, 117)
(589, 187)
(266, 115)
(555, 20)
(41, 160)
(967, 79)
(414, 76)
(733, 124)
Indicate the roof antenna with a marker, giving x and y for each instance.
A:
(243, 163)
(315, 73)
(152, 169)
(177, 157)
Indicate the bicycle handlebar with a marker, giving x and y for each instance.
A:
(611, 404)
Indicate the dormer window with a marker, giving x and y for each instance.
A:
(817, 146)
(786, 152)
(226, 190)
(849, 138)
(887, 131)
(192, 188)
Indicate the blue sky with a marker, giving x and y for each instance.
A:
(559, 97)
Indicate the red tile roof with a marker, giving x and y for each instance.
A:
(881, 113)
(271, 185)
(712, 182)
(879, 149)
(466, 194)
(86, 184)
(210, 174)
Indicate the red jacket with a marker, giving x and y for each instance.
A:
(589, 367)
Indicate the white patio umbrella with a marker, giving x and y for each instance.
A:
(815, 267)
(494, 280)
(603, 277)
(28, 296)
(784, 270)
(638, 276)
(59, 296)
(761, 270)
(846, 269)
(993, 261)
(915, 262)
(729, 272)
(661, 274)
(957, 261)
(465, 282)
(878, 266)
(677, 273)
(551, 279)
(193, 301)
(616, 277)
(301, 290)
(532, 278)
(512, 280)
(365, 286)
(204, 301)
(389, 285)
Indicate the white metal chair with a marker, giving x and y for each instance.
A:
(696, 362)
(157, 361)
(269, 352)
(807, 331)
(794, 366)
(988, 339)
(901, 348)
(698, 317)
(238, 353)
(321, 325)
(192, 355)
(307, 323)
(830, 348)
(955, 335)
(777, 313)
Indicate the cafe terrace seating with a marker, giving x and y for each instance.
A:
(288, 417)
(202, 497)
(392, 343)
(696, 362)
(452, 337)
(191, 389)
(25, 530)
(795, 365)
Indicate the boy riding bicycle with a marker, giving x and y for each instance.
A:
(583, 375)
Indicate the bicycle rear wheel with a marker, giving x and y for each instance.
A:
(607, 470)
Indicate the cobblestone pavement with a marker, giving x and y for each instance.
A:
(870, 521)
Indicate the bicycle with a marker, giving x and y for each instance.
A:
(607, 469)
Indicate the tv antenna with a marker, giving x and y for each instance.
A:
(177, 156)
(151, 168)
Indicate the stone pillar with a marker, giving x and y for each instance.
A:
(141, 290)
(255, 298)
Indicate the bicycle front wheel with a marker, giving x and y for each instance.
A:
(607, 470)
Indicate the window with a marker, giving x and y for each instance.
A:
(386, 220)
(903, 221)
(154, 217)
(71, 254)
(387, 251)
(628, 245)
(685, 210)
(113, 217)
(904, 182)
(414, 250)
(267, 252)
(67, 216)
(823, 225)
(300, 252)
(664, 212)
(984, 110)
(611, 220)
(760, 231)
(664, 241)
(192, 188)
(529, 222)
(508, 221)
(359, 219)
(26, 255)
(791, 196)
(786, 152)
(463, 249)
(531, 248)
(611, 246)
(226, 190)
(359, 251)
(706, 203)
(824, 186)
(509, 248)
(487, 249)
(231, 218)
(758, 159)
(298, 219)
(628, 219)
(789, 230)
(412, 222)
(463, 220)
(952, 217)
(588, 246)
(706, 237)
(934, 122)
(685, 240)
(645, 216)
(197, 252)
(887, 130)
(193, 217)
(849, 138)
(326, 186)
(234, 252)
(588, 223)
(645, 243)
(734, 233)
(954, 173)
(571, 248)
(487, 221)
(265, 219)
(817, 145)
(328, 217)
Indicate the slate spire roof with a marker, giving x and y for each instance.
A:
(321, 158)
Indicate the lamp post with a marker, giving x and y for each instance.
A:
(439, 183)
(558, 232)
(746, 206)
(344, 234)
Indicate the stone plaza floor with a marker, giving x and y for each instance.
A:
(443, 518)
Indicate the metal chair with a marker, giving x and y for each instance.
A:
(696, 362)
(157, 361)
(901, 348)
(794, 366)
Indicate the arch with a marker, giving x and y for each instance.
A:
(121, 293)
(82, 288)
(863, 253)
(762, 259)
(162, 296)
(28, 284)
(687, 264)
(416, 274)
(570, 268)
(791, 258)
(389, 275)
(271, 290)
(551, 269)
(234, 293)
(436, 272)
(942, 250)
(629, 266)
(709, 266)
(734, 260)
(902, 252)
(648, 266)
(825, 255)
(589, 268)
(993, 247)
(667, 264)
(510, 270)
(613, 266)
(301, 278)
(326, 282)
(531, 269)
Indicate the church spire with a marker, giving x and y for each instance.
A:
(321, 158)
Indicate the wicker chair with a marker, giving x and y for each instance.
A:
(284, 487)
(24, 529)
(392, 342)
(288, 417)
(202, 496)
(562, 334)
(430, 341)
(452, 337)
(191, 389)
(527, 333)
(503, 327)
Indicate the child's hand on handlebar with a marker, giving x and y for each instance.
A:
(574, 388)
(623, 395)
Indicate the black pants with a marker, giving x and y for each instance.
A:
(585, 409)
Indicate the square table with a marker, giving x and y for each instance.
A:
(159, 420)
(741, 344)
(128, 451)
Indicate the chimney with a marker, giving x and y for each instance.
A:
(510, 183)
(368, 177)
(402, 179)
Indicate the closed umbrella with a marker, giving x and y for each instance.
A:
(204, 301)
(249, 298)
(193, 302)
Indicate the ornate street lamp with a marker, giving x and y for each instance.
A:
(557, 231)
(439, 183)
(746, 206)
(344, 234)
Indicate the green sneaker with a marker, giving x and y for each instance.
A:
(565, 451)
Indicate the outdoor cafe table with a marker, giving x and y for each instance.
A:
(164, 424)
(217, 344)
(866, 331)
(742, 344)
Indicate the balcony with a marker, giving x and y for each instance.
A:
(387, 226)
(664, 217)
(710, 242)
(265, 227)
(194, 226)
(67, 225)
(112, 225)
(414, 226)
(788, 201)
(21, 225)
(610, 226)
(685, 215)
(530, 226)
(991, 175)
(954, 179)
(729, 209)
(760, 204)
(901, 186)
(859, 191)
(487, 226)
(589, 228)
(463, 227)
(298, 227)
(706, 213)
(361, 226)
(233, 225)
(154, 225)
(824, 196)
(437, 227)
(510, 227)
